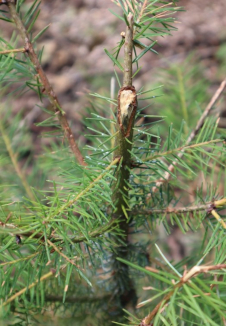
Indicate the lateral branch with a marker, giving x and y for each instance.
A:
(198, 126)
(47, 87)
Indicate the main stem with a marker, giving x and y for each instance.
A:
(123, 143)
(128, 51)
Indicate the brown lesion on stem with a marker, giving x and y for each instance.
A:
(47, 87)
(127, 105)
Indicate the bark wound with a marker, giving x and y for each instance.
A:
(127, 105)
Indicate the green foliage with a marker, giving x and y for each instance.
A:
(59, 239)
(186, 89)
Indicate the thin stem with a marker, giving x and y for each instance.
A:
(11, 262)
(141, 14)
(22, 50)
(112, 224)
(169, 210)
(207, 110)
(90, 186)
(160, 7)
(182, 98)
(182, 148)
(61, 253)
(199, 125)
(142, 10)
(56, 107)
(16, 165)
(218, 218)
(16, 295)
(95, 233)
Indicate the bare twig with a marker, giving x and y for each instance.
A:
(199, 125)
(196, 270)
(16, 165)
(48, 89)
